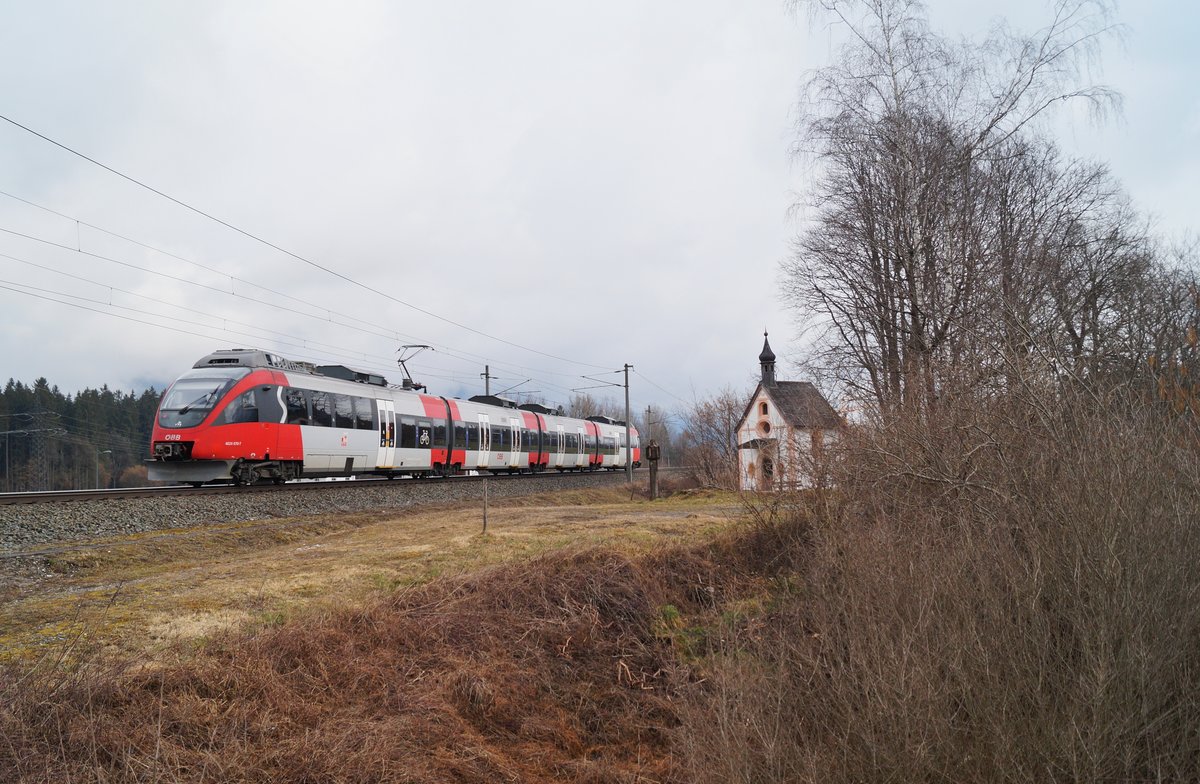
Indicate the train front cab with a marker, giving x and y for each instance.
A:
(214, 421)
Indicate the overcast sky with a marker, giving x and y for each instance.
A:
(597, 184)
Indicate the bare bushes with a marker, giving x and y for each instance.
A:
(1008, 593)
(550, 670)
(709, 438)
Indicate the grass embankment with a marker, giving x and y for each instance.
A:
(144, 592)
(531, 661)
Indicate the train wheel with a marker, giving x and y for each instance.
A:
(196, 484)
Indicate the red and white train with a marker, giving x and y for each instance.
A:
(244, 415)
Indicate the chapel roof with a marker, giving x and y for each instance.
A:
(800, 404)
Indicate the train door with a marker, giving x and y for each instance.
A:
(561, 448)
(582, 456)
(485, 440)
(271, 411)
(514, 454)
(387, 434)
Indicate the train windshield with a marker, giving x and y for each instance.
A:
(192, 397)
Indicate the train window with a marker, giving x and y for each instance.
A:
(498, 438)
(240, 409)
(270, 407)
(439, 434)
(190, 399)
(296, 403)
(460, 435)
(408, 433)
(364, 413)
(572, 443)
(343, 412)
(322, 409)
(424, 434)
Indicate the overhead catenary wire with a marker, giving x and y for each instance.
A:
(51, 296)
(659, 388)
(287, 252)
(306, 343)
(222, 273)
(320, 308)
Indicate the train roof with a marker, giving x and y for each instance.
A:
(249, 357)
(256, 358)
(606, 420)
(350, 374)
(493, 400)
(538, 408)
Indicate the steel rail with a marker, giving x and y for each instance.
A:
(303, 485)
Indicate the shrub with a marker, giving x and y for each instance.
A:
(1000, 593)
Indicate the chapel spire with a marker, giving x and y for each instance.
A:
(767, 360)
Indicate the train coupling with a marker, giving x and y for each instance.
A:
(173, 450)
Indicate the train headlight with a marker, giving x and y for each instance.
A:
(172, 450)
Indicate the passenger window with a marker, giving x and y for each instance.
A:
(297, 406)
(343, 410)
(322, 409)
(364, 413)
(408, 433)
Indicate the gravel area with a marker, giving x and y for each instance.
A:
(30, 526)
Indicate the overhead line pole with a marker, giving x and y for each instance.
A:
(628, 442)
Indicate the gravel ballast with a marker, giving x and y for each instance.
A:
(30, 526)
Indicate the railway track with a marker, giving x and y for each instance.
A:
(42, 523)
(66, 496)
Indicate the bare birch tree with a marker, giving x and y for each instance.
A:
(906, 126)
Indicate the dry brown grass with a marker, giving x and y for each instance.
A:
(559, 667)
(1004, 595)
(146, 592)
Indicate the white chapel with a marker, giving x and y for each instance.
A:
(784, 431)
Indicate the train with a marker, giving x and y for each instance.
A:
(248, 416)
